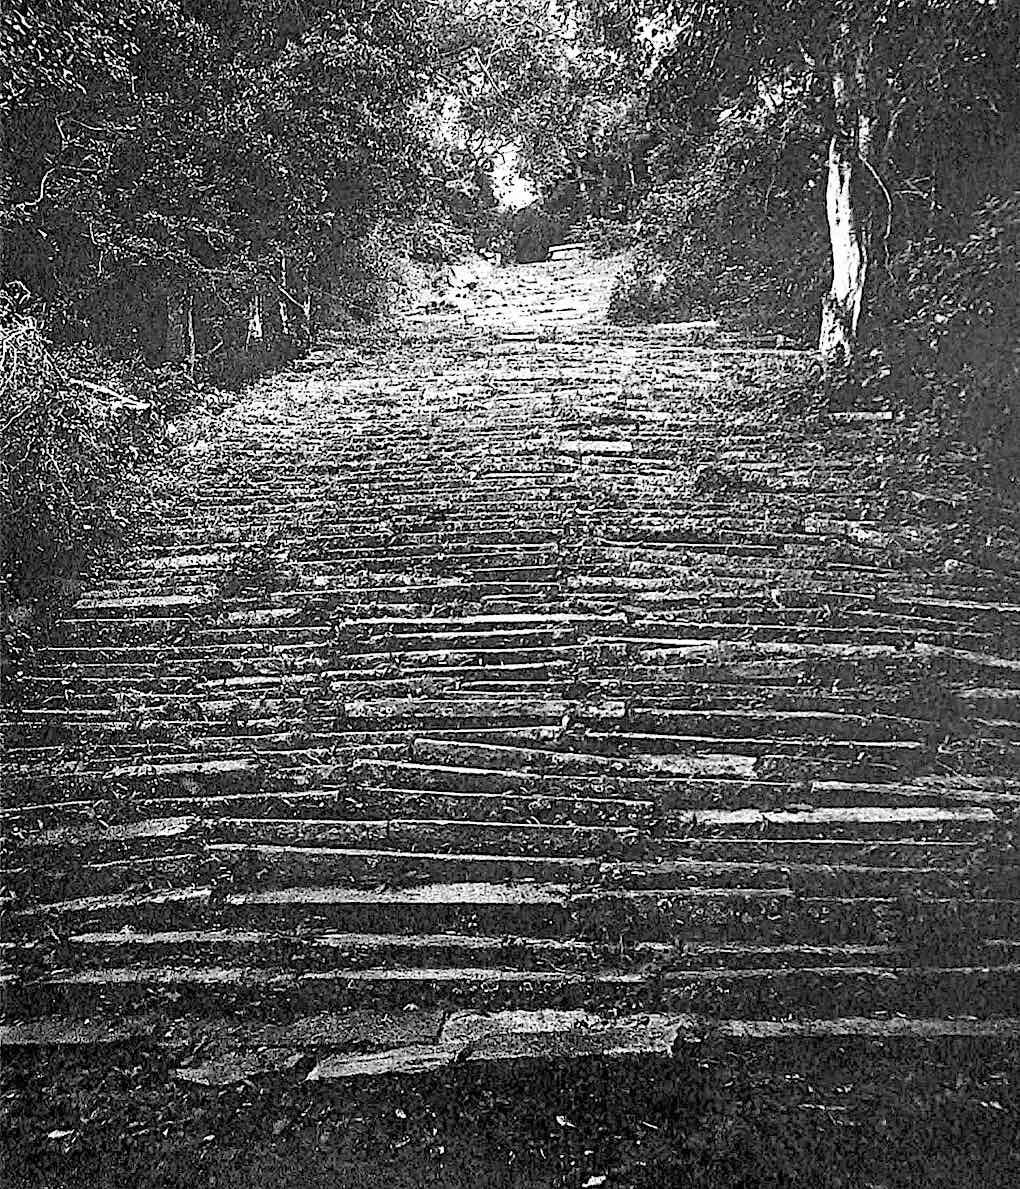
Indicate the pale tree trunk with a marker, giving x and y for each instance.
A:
(173, 339)
(5, 187)
(847, 200)
(841, 307)
(284, 302)
(179, 344)
(191, 345)
(306, 307)
(255, 337)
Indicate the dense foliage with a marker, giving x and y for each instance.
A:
(212, 162)
(951, 316)
(75, 427)
(904, 114)
(736, 234)
(188, 188)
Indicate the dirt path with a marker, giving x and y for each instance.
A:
(532, 688)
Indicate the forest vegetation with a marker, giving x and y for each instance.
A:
(801, 733)
(191, 190)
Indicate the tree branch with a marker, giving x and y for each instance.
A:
(888, 199)
(24, 206)
(894, 120)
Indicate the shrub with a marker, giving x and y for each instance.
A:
(74, 424)
(607, 237)
(493, 237)
(534, 230)
(949, 322)
(438, 233)
(736, 236)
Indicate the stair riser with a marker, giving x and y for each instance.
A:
(825, 996)
(766, 914)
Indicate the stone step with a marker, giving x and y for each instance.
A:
(930, 925)
(823, 989)
(306, 850)
(323, 951)
(331, 1046)
(667, 762)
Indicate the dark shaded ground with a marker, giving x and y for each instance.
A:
(825, 1114)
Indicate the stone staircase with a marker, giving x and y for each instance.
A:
(573, 246)
(534, 688)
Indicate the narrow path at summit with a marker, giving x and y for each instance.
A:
(532, 687)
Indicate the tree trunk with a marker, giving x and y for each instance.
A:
(179, 341)
(175, 338)
(306, 308)
(285, 315)
(190, 344)
(841, 307)
(5, 196)
(255, 338)
(847, 200)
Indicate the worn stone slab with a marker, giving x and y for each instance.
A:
(409, 1059)
(549, 1032)
(239, 1067)
(151, 828)
(878, 1027)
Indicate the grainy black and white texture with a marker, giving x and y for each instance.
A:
(528, 754)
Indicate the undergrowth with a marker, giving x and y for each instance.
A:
(738, 235)
(75, 426)
(947, 327)
(735, 235)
